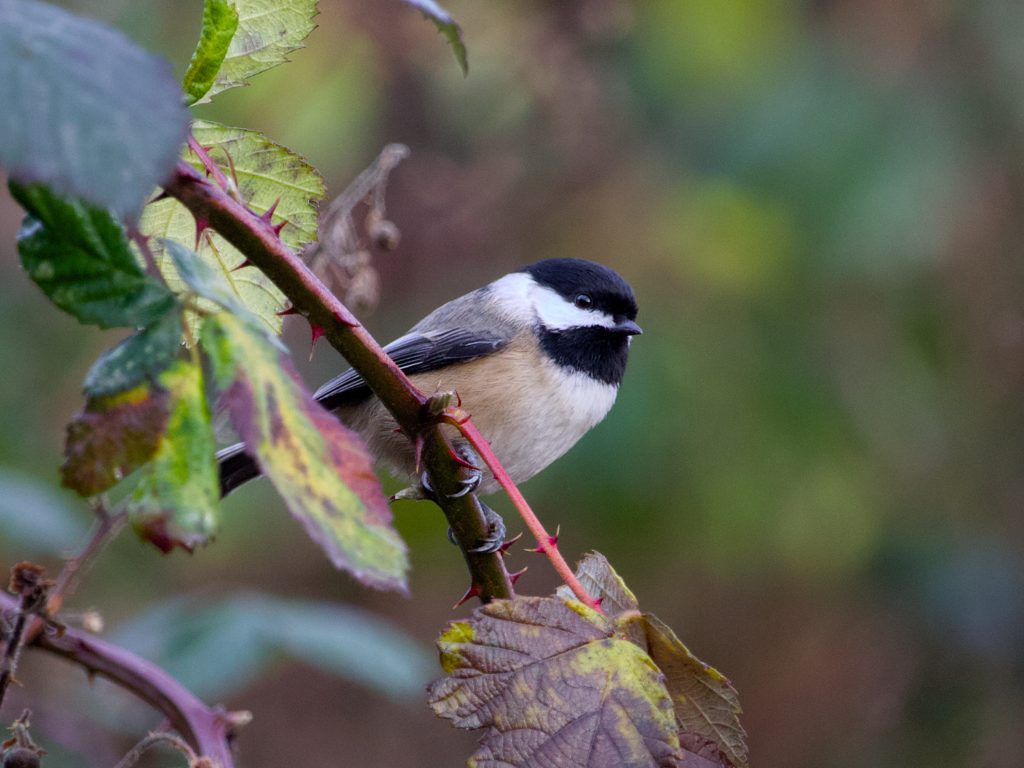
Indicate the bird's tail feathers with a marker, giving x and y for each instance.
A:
(236, 467)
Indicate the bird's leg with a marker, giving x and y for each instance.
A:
(472, 475)
(495, 537)
(466, 457)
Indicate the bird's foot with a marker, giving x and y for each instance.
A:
(471, 478)
(495, 538)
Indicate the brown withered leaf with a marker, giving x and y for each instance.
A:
(707, 706)
(554, 683)
(112, 437)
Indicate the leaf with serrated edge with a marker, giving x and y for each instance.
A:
(320, 468)
(140, 357)
(220, 22)
(208, 283)
(85, 109)
(707, 705)
(601, 582)
(112, 437)
(553, 684)
(447, 26)
(268, 30)
(176, 500)
(266, 173)
(79, 256)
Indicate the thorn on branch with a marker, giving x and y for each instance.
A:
(28, 583)
(514, 577)
(316, 331)
(245, 263)
(473, 591)
(548, 543)
(268, 215)
(348, 320)
(508, 543)
(20, 751)
(202, 225)
(163, 737)
(454, 454)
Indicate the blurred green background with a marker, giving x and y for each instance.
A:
(815, 470)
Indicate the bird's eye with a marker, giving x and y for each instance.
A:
(583, 301)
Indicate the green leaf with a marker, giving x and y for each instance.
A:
(320, 467)
(267, 174)
(85, 110)
(176, 500)
(36, 517)
(140, 357)
(447, 26)
(79, 257)
(268, 30)
(553, 683)
(207, 283)
(112, 437)
(218, 646)
(220, 21)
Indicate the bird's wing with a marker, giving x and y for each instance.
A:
(414, 353)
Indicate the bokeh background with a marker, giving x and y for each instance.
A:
(815, 470)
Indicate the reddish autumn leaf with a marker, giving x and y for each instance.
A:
(320, 468)
(113, 436)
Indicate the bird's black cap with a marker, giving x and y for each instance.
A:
(570, 277)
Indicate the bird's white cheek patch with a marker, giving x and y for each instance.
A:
(557, 314)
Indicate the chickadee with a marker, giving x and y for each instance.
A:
(536, 357)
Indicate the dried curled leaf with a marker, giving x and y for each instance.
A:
(707, 706)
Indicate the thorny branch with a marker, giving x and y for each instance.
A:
(208, 731)
(311, 298)
(107, 527)
(31, 587)
(151, 740)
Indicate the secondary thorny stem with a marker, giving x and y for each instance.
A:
(107, 527)
(205, 729)
(546, 543)
(31, 587)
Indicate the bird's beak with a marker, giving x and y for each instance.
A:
(628, 327)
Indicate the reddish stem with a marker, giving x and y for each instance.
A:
(546, 543)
